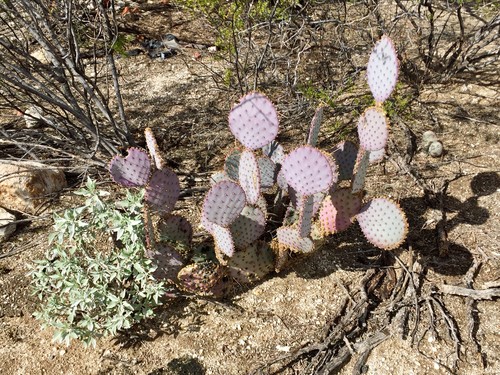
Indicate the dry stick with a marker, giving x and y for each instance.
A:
(474, 294)
(452, 329)
(473, 321)
(73, 156)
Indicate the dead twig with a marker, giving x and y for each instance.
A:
(475, 294)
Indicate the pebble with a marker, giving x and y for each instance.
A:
(436, 149)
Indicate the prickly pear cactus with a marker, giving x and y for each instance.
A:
(131, 171)
(383, 69)
(266, 206)
(254, 121)
(383, 223)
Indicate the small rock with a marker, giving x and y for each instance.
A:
(427, 138)
(7, 227)
(436, 149)
(212, 49)
(25, 185)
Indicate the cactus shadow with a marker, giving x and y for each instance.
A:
(167, 321)
(349, 250)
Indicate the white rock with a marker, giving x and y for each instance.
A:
(7, 227)
(25, 185)
(436, 149)
(427, 138)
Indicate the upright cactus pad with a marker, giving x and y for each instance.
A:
(153, 148)
(308, 170)
(274, 151)
(232, 164)
(268, 173)
(383, 223)
(382, 70)
(223, 203)
(131, 171)
(362, 164)
(373, 130)
(254, 121)
(163, 190)
(338, 211)
(345, 155)
(289, 238)
(249, 176)
(312, 138)
(251, 264)
(223, 241)
(248, 227)
(306, 212)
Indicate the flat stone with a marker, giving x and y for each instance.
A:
(25, 185)
(7, 227)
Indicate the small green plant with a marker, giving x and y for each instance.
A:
(96, 279)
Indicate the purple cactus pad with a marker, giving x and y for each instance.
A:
(131, 171)
(163, 190)
(373, 130)
(338, 211)
(308, 170)
(382, 69)
(249, 176)
(289, 238)
(153, 148)
(248, 227)
(383, 223)
(223, 203)
(254, 121)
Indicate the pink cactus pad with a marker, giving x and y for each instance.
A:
(338, 211)
(308, 170)
(362, 164)
(306, 212)
(223, 240)
(131, 171)
(383, 69)
(163, 190)
(223, 203)
(249, 176)
(153, 148)
(289, 238)
(248, 227)
(345, 155)
(383, 223)
(373, 130)
(254, 121)
(312, 139)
